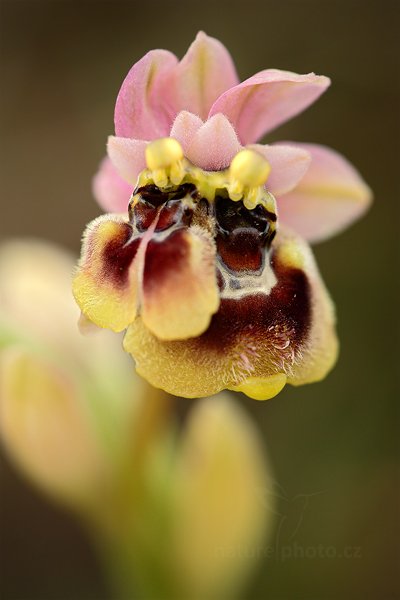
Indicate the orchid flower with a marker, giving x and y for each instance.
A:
(205, 260)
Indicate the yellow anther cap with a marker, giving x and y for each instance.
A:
(250, 168)
(163, 153)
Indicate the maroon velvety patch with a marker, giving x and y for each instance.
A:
(118, 254)
(164, 257)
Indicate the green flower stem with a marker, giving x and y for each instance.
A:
(130, 521)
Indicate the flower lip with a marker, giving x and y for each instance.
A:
(257, 335)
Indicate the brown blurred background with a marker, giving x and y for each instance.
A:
(333, 445)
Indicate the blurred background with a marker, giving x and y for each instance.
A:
(334, 445)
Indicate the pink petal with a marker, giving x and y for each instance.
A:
(128, 157)
(288, 166)
(204, 73)
(142, 109)
(268, 99)
(110, 190)
(328, 199)
(184, 128)
(214, 144)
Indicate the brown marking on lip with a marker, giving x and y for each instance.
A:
(164, 257)
(172, 212)
(242, 235)
(263, 318)
(242, 250)
(152, 195)
(234, 215)
(144, 215)
(118, 254)
(156, 196)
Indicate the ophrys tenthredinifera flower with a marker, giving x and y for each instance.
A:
(209, 270)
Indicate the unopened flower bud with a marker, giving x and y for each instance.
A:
(220, 509)
(45, 427)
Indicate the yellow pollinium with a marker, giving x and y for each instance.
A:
(164, 158)
(248, 173)
(250, 168)
(163, 153)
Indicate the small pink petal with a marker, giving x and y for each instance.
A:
(128, 156)
(204, 73)
(214, 144)
(288, 166)
(142, 109)
(331, 195)
(268, 99)
(184, 128)
(110, 190)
